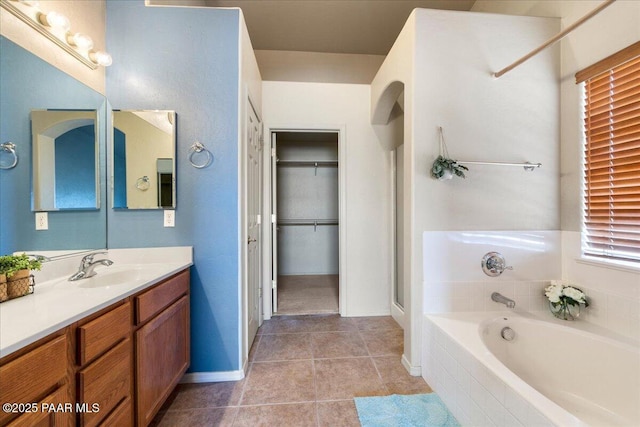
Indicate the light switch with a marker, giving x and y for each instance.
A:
(169, 218)
(42, 221)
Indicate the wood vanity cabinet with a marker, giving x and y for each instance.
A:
(162, 339)
(114, 368)
(104, 354)
(36, 379)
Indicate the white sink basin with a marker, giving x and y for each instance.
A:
(122, 274)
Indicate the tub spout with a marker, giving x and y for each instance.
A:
(497, 297)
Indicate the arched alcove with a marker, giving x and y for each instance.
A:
(386, 103)
(388, 116)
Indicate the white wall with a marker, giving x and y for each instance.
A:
(279, 65)
(367, 181)
(614, 292)
(87, 17)
(249, 96)
(512, 119)
(308, 193)
(454, 280)
(394, 79)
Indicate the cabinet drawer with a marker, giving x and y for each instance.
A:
(107, 382)
(122, 416)
(97, 336)
(161, 296)
(50, 412)
(28, 377)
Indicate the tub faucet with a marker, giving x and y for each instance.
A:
(497, 297)
(87, 265)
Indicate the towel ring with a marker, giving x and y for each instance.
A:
(142, 184)
(10, 147)
(197, 147)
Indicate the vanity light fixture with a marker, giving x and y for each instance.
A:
(101, 58)
(79, 40)
(56, 27)
(54, 20)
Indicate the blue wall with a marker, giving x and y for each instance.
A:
(26, 83)
(186, 60)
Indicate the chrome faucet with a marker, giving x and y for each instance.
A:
(87, 265)
(497, 297)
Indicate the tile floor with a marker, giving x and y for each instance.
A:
(303, 371)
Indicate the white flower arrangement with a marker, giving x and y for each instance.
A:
(563, 293)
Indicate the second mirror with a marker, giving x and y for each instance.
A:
(144, 146)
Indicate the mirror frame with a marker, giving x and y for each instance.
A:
(37, 141)
(144, 181)
(27, 82)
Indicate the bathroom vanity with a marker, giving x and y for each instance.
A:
(112, 364)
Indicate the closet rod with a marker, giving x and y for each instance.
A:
(308, 163)
(308, 222)
(554, 39)
(315, 223)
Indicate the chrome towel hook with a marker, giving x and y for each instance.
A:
(198, 147)
(9, 147)
(143, 183)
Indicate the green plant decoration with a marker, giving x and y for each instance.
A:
(443, 166)
(11, 264)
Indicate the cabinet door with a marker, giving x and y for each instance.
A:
(51, 412)
(162, 357)
(30, 376)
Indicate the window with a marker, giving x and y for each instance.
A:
(612, 156)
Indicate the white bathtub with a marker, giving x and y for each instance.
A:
(549, 374)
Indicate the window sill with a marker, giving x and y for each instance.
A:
(628, 266)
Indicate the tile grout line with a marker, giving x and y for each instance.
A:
(374, 363)
(245, 381)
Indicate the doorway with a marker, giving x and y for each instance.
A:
(306, 233)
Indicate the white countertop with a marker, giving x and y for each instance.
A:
(57, 302)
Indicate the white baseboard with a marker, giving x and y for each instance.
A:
(212, 377)
(414, 371)
(398, 314)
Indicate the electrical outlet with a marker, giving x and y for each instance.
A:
(42, 221)
(169, 218)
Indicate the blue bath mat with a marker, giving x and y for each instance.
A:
(414, 410)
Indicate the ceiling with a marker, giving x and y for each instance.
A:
(335, 26)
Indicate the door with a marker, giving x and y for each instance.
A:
(274, 226)
(253, 218)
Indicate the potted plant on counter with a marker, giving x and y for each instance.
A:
(17, 269)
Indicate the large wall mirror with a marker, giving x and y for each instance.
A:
(28, 83)
(144, 146)
(65, 157)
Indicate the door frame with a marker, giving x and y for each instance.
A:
(397, 311)
(243, 265)
(267, 248)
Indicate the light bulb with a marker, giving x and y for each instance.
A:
(54, 20)
(101, 58)
(81, 41)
